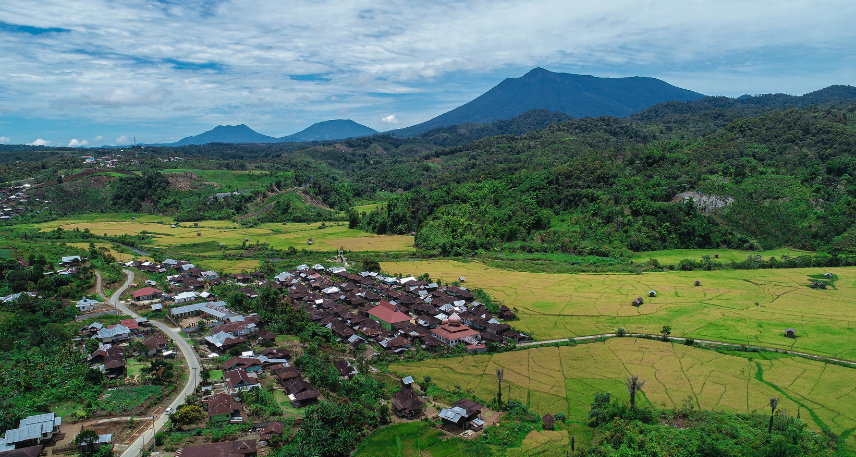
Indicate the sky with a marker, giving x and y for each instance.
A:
(99, 72)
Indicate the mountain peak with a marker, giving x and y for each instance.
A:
(322, 131)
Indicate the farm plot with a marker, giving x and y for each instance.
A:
(565, 379)
(738, 306)
(278, 236)
(673, 256)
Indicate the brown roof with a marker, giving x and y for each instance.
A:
(221, 404)
(470, 406)
(406, 400)
(115, 358)
(240, 363)
(283, 373)
(32, 451)
(154, 341)
(548, 420)
(146, 291)
(234, 378)
(227, 449)
(387, 312)
(274, 428)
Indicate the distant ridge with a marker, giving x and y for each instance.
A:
(575, 95)
(328, 130)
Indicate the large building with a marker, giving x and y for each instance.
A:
(386, 314)
(452, 332)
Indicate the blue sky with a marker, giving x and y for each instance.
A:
(93, 72)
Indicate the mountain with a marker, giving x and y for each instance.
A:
(576, 95)
(329, 130)
(226, 134)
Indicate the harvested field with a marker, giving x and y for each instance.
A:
(565, 379)
(673, 256)
(737, 306)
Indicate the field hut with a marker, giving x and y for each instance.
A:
(549, 421)
(652, 293)
(716, 256)
(638, 301)
(285, 223)
(790, 333)
(309, 241)
(198, 233)
(827, 275)
(196, 224)
(697, 283)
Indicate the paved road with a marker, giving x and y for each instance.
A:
(681, 339)
(135, 448)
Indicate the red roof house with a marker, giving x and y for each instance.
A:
(387, 314)
(147, 293)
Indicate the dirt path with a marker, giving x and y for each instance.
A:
(98, 286)
(682, 339)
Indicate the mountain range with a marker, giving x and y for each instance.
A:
(321, 131)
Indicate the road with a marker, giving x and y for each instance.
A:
(135, 448)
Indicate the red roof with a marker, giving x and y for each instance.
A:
(388, 314)
(130, 323)
(146, 291)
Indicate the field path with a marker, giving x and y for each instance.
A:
(851, 363)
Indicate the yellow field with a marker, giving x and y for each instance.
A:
(673, 256)
(231, 266)
(118, 255)
(565, 379)
(277, 235)
(739, 306)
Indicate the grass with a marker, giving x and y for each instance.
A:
(127, 398)
(232, 180)
(738, 306)
(134, 367)
(5, 253)
(216, 375)
(565, 379)
(673, 256)
(410, 439)
(369, 207)
(124, 255)
(215, 232)
(282, 400)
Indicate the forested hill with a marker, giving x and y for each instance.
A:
(575, 95)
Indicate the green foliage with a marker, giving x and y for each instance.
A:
(188, 414)
(132, 192)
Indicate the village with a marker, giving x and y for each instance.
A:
(369, 315)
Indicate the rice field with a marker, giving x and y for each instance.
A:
(673, 256)
(565, 379)
(277, 235)
(738, 306)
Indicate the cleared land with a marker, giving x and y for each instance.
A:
(738, 306)
(277, 235)
(565, 379)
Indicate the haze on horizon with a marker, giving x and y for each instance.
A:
(96, 72)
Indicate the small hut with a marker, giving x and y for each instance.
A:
(309, 241)
(198, 233)
(827, 275)
(652, 293)
(196, 224)
(549, 421)
(638, 302)
(716, 256)
(285, 223)
(790, 333)
(697, 283)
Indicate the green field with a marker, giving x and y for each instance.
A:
(5, 253)
(232, 180)
(565, 379)
(277, 235)
(369, 207)
(673, 256)
(739, 306)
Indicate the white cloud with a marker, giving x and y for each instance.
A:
(5, 140)
(77, 144)
(99, 139)
(389, 119)
(122, 140)
(40, 142)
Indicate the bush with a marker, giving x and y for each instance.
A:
(621, 332)
(689, 342)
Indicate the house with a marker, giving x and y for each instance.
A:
(245, 448)
(185, 297)
(70, 261)
(549, 421)
(790, 333)
(131, 324)
(243, 363)
(652, 293)
(8, 450)
(276, 353)
(453, 332)
(239, 380)
(103, 440)
(406, 404)
(111, 333)
(224, 340)
(345, 369)
(284, 374)
(147, 293)
(463, 413)
(87, 304)
(407, 382)
(301, 393)
(386, 314)
(638, 301)
(222, 408)
(265, 336)
(156, 343)
(271, 430)
(33, 431)
(114, 362)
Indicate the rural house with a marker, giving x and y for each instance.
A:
(222, 408)
(33, 430)
(464, 413)
(239, 380)
(406, 404)
(147, 293)
(386, 314)
(155, 343)
(87, 304)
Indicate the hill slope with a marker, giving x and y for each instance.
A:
(330, 130)
(576, 95)
(226, 134)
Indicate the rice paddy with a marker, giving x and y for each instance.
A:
(673, 256)
(738, 306)
(279, 236)
(565, 379)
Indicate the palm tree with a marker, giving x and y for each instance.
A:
(500, 373)
(774, 403)
(634, 385)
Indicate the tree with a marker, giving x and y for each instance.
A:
(666, 331)
(371, 264)
(634, 385)
(91, 345)
(85, 441)
(160, 372)
(774, 403)
(500, 373)
(188, 414)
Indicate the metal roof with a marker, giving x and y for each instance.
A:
(453, 414)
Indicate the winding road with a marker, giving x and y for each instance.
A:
(135, 449)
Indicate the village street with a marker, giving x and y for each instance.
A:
(135, 448)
